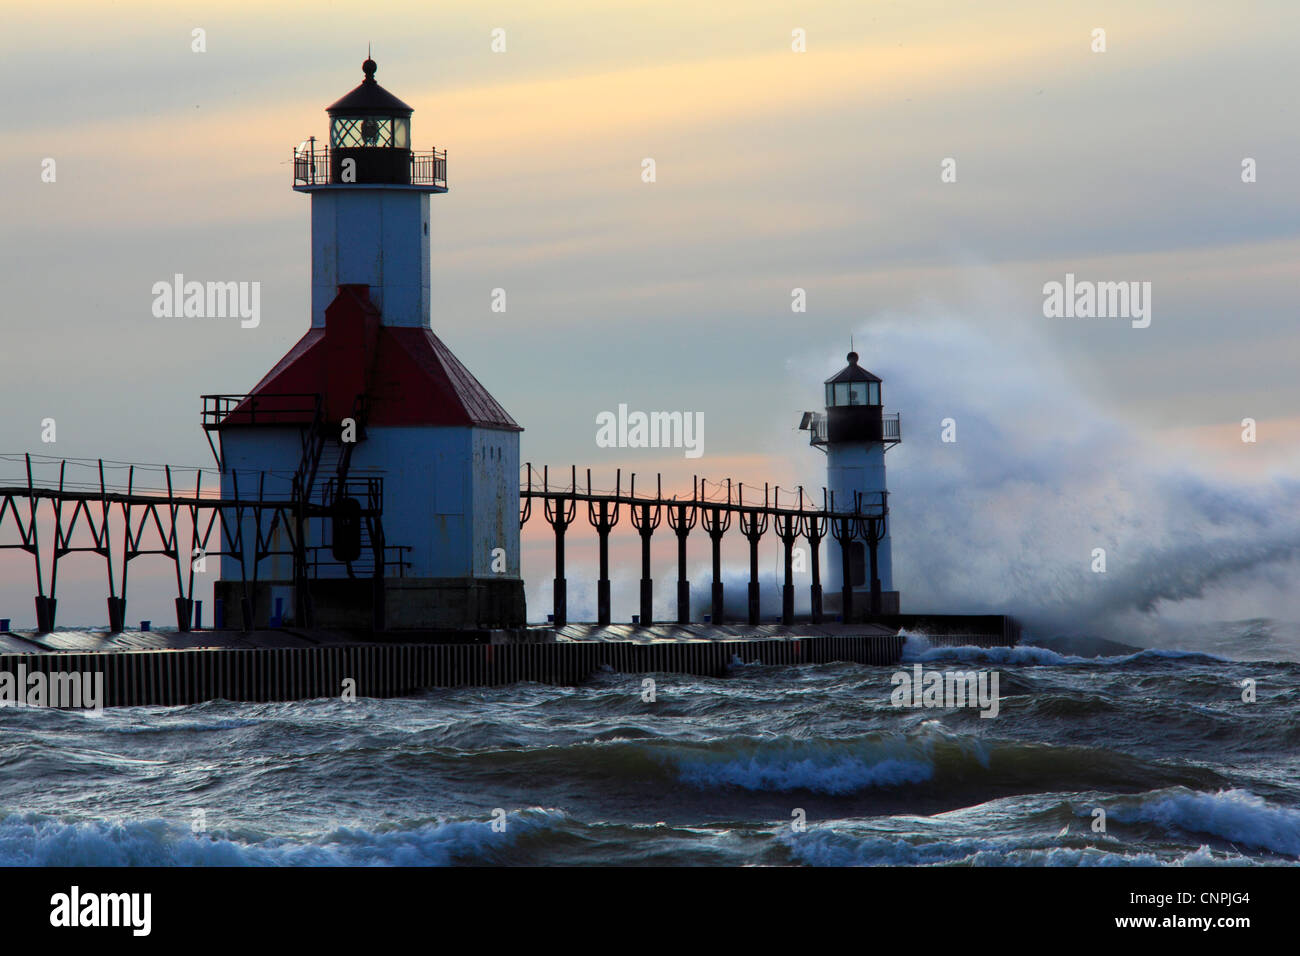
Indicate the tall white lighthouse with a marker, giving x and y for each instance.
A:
(855, 433)
(404, 470)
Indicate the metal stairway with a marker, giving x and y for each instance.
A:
(326, 456)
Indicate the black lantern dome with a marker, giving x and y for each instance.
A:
(853, 407)
(853, 385)
(371, 127)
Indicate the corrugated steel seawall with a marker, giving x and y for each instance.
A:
(173, 677)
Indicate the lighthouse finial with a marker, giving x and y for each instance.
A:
(369, 67)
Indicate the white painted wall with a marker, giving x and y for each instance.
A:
(249, 452)
(850, 467)
(376, 236)
(496, 501)
(451, 494)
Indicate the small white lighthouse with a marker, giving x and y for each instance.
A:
(405, 468)
(855, 433)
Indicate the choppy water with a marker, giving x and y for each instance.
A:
(712, 772)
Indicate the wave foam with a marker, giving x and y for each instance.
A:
(834, 848)
(920, 651)
(34, 840)
(1238, 816)
(829, 766)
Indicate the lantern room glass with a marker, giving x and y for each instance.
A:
(348, 132)
(839, 394)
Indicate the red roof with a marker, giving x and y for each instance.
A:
(408, 374)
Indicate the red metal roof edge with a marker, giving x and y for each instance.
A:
(411, 367)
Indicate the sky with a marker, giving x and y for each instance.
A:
(775, 170)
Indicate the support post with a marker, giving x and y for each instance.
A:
(879, 528)
(195, 616)
(116, 615)
(379, 596)
(301, 596)
(753, 525)
(560, 512)
(716, 521)
(843, 526)
(603, 518)
(646, 521)
(874, 528)
(44, 605)
(602, 585)
(813, 526)
(875, 577)
(45, 614)
(787, 529)
(560, 593)
(682, 519)
(846, 590)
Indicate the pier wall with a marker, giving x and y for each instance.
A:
(175, 677)
(409, 603)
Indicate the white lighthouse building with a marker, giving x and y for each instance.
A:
(404, 469)
(855, 433)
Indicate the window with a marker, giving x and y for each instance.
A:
(858, 393)
(873, 393)
(841, 393)
(830, 394)
(350, 131)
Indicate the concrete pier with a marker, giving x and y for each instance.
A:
(176, 668)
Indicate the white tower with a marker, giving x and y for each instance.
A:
(855, 434)
(408, 467)
(370, 205)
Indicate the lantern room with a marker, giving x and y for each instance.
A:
(852, 386)
(372, 128)
(853, 407)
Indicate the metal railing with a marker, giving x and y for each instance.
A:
(368, 489)
(296, 408)
(312, 167)
(891, 428)
(242, 524)
(858, 519)
(395, 562)
(429, 169)
(724, 496)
